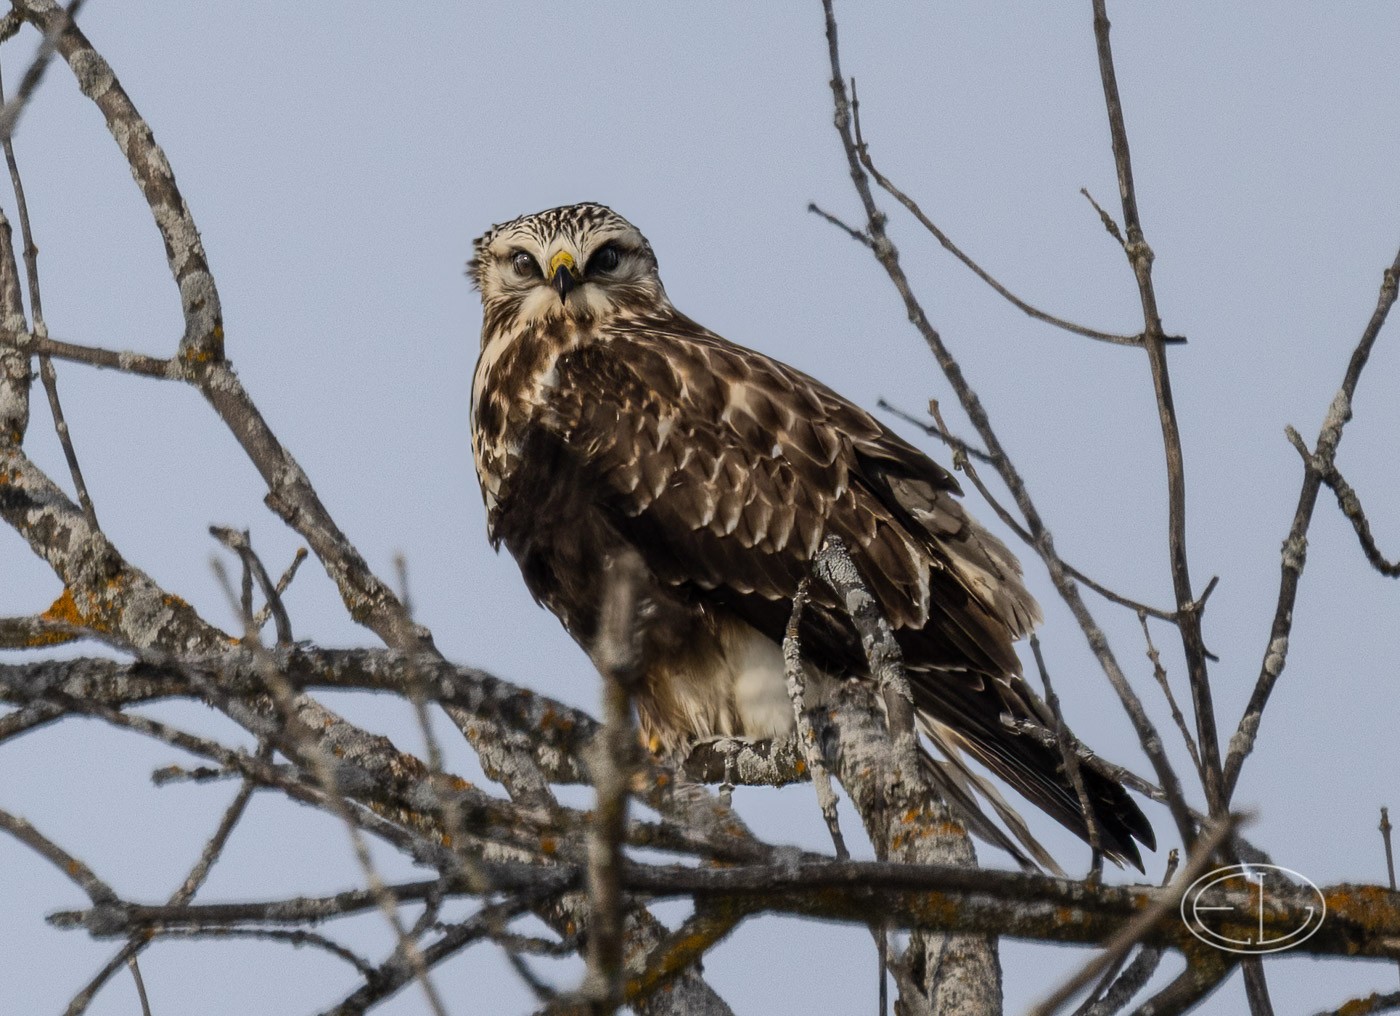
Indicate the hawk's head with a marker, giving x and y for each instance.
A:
(581, 262)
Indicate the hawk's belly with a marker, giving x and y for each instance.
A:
(729, 682)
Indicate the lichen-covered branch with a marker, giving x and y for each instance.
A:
(877, 761)
(1362, 921)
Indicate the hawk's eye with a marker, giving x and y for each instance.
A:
(604, 260)
(524, 264)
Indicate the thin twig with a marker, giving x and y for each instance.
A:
(1159, 672)
(888, 256)
(963, 451)
(850, 231)
(1350, 504)
(953, 441)
(401, 573)
(76, 871)
(1109, 223)
(138, 941)
(1071, 761)
(1140, 257)
(253, 570)
(1294, 555)
(300, 742)
(389, 977)
(863, 151)
(1385, 829)
(36, 309)
(135, 967)
(10, 111)
(1116, 995)
(265, 611)
(137, 364)
(617, 656)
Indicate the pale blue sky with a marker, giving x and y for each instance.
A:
(339, 160)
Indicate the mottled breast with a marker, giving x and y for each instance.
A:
(514, 373)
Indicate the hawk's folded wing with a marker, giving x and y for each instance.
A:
(726, 469)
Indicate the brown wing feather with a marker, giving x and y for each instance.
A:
(753, 465)
(726, 469)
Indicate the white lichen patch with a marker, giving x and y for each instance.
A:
(94, 74)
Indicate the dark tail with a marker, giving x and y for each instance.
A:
(962, 711)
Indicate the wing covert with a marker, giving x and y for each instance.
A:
(726, 469)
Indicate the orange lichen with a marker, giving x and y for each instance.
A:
(42, 639)
(1373, 907)
(1363, 1006)
(64, 610)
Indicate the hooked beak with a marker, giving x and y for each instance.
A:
(563, 274)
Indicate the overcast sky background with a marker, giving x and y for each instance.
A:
(339, 159)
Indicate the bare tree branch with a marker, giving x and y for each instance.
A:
(805, 733)
(1361, 921)
(31, 269)
(1295, 544)
(1371, 1004)
(1135, 931)
(77, 872)
(1140, 256)
(1350, 504)
(618, 659)
(903, 815)
(888, 256)
(1065, 743)
(863, 151)
(10, 111)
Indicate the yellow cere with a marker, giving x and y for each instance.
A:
(562, 258)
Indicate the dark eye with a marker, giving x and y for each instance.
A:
(604, 260)
(524, 264)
